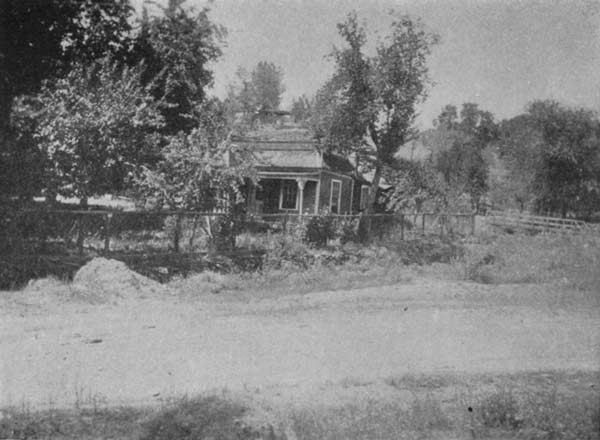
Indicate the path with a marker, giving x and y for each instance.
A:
(124, 354)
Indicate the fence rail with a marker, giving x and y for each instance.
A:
(519, 220)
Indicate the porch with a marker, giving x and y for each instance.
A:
(284, 195)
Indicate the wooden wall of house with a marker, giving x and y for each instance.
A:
(325, 192)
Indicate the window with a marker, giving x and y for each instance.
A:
(289, 195)
(364, 197)
(336, 196)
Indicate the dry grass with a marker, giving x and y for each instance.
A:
(542, 405)
(572, 260)
(524, 406)
(292, 267)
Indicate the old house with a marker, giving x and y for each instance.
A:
(296, 177)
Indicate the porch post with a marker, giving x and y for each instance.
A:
(318, 196)
(252, 198)
(301, 183)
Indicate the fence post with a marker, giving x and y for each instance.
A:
(177, 232)
(107, 219)
(473, 221)
(80, 234)
(193, 236)
(402, 227)
(423, 223)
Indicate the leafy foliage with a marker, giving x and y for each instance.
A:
(302, 109)
(553, 158)
(194, 173)
(94, 127)
(455, 174)
(259, 90)
(417, 187)
(40, 40)
(176, 48)
(21, 161)
(267, 80)
(463, 165)
(368, 106)
(320, 229)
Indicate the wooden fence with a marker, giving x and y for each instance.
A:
(107, 231)
(524, 221)
(405, 224)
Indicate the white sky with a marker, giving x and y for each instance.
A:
(500, 54)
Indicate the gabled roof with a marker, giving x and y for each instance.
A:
(291, 149)
(290, 156)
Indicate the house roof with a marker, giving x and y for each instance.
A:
(290, 133)
(291, 156)
(290, 149)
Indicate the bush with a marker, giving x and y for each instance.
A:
(320, 229)
(202, 418)
(349, 231)
(284, 250)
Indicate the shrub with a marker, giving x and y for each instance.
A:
(284, 250)
(320, 229)
(202, 418)
(348, 231)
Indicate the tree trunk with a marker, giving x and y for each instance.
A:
(371, 201)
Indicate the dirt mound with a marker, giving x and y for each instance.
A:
(113, 280)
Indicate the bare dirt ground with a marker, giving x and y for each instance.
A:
(294, 345)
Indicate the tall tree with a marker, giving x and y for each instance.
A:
(256, 91)
(42, 39)
(520, 147)
(267, 82)
(460, 156)
(240, 102)
(177, 47)
(94, 127)
(301, 109)
(368, 107)
(558, 149)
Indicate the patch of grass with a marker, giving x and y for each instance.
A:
(541, 405)
(21, 423)
(519, 258)
(202, 418)
(208, 417)
(499, 410)
(550, 405)
(371, 420)
(290, 266)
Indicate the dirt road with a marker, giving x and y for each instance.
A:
(154, 349)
